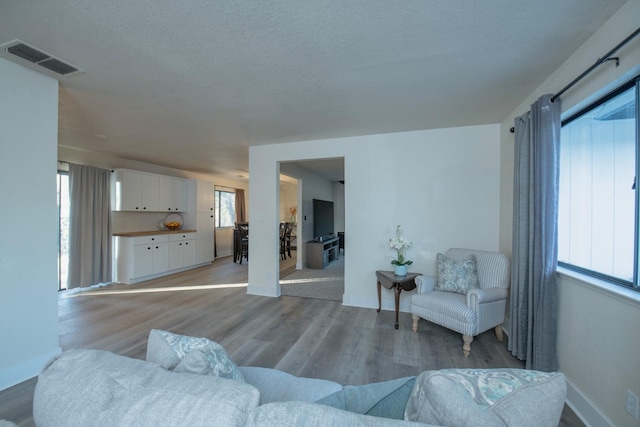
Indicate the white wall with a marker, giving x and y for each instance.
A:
(28, 248)
(598, 343)
(288, 199)
(442, 185)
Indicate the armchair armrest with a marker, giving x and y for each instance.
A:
(481, 296)
(425, 284)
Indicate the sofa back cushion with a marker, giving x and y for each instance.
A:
(279, 386)
(98, 388)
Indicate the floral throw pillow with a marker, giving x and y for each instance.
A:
(181, 353)
(457, 276)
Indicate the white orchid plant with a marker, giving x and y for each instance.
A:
(399, 243)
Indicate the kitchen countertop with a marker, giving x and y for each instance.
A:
(150, 233)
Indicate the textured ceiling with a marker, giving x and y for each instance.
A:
(192, 85)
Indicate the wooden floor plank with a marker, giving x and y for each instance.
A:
(305, 337)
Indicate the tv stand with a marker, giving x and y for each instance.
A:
(319, 254)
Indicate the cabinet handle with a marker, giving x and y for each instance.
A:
(180, 244)
(153, 238)
(149, 247)
(186, 243)
(144, 208)
(137, 208)
(156, 247)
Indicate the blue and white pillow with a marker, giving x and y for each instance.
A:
(181, 353)
(457, 276)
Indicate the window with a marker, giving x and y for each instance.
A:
(63, 229)
(598, 214)
(225, 206)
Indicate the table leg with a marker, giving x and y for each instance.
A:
(379, 298)
(397, 289)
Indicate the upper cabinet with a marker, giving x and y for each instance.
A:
(146, 192)
(172, 194)
(204, 196)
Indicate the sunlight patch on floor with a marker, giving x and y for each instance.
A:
(309, 280)
(152, 290)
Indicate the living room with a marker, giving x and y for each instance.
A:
(448, 186)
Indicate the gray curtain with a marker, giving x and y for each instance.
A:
(533, 327)
(241, 209)
(89, 226)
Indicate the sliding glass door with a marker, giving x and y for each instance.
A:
(63, 229)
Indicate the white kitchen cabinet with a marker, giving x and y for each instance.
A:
(204, 196)
(139, 258)
(182, 250)
(172, 194)
(134, 191)
(150, 255)
(206, 236)
(147, 192)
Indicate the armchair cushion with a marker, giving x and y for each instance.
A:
(457, 276)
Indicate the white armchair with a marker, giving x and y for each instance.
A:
(471, 314)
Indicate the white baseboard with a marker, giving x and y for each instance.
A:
(587, 413)
(264, 291)
(25, 370)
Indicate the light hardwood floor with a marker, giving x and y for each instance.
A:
(305, 337)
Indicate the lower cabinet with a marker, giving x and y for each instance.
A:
(145, 257)
(182, 250)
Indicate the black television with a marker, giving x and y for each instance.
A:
(322, 219)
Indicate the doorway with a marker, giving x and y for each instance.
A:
(320, 179)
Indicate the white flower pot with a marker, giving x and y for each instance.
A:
(400, 270)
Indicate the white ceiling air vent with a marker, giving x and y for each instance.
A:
(17, 48)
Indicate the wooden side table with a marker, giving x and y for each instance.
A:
(398, 283)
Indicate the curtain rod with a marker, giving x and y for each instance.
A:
(605, 58)
(222, 186)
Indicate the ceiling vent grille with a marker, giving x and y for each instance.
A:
(17, 48)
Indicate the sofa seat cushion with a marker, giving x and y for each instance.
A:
(279, 386)
(98, 388)
(188, 354)
(386, 399)
(487, 398)
(295, 414)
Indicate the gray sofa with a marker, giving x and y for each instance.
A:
(197, 387)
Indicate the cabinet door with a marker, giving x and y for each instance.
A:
(172, 194)
(129, 191)
(149, 192)
(176, 255)
(206, 236)
(204, 196)
(142, 261)
(160, 257)
(165, 194)
(180, 189)
(189, 252)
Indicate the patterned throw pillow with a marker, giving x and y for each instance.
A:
(457, 276)
(182, 353)
(487, 386)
